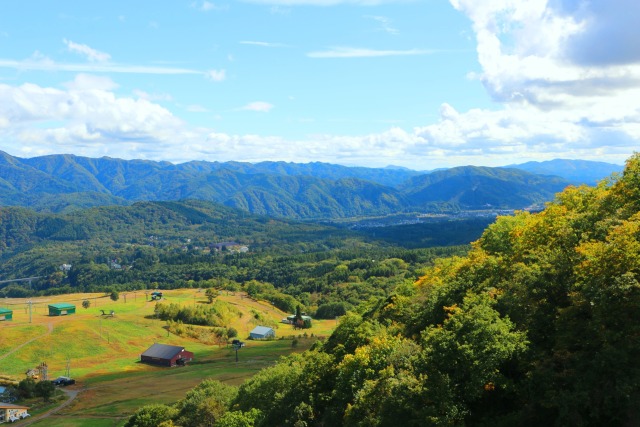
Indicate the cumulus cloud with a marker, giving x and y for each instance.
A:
(46, 119)
(609, 33)
(559, 91)
(86, 120)
(152, 96)
(90, 53)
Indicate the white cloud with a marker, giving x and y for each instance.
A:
(195, 108)
(91, 54)
(39, 62)
(323, 2)
(260, 106)
(262, 44)
(152, 96)
(36, 120)
(216, 75)
(41, 118)
(206, 6)
(385, 24)
(353, 52)
(91, 82)
(559, 96)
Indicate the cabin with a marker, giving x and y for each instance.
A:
(61, 309)
(6, 314)
(261, 333)
(166, 355)
(291, 319)
(10, 412)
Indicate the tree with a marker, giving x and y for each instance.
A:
(239, 418)
(151, 416)
(211, 294)
(86, 303)
(26, 388)
(44, 389)
(204, 404)
(115, 296)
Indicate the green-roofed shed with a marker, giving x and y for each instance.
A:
(61, 309)
(6, 314)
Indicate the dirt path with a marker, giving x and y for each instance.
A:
(71, 395)
(49, 330)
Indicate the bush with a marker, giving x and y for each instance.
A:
(332, 310)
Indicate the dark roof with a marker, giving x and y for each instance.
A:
(163, 351)
(62, 306)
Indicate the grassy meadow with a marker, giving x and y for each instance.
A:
(103, 352)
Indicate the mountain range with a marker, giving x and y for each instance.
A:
(62, 183)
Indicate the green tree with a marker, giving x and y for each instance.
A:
(44, 389)
(26, 388)
(86, 303)
(115, 296)
(211, 294)
(205, 404)
(249, 418)
(151, 416)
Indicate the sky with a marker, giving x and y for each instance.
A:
(422, 84)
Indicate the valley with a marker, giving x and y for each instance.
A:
(102, 353)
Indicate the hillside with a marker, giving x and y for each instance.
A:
(473, 187)
(103, 352)
(536, 325)
(64, 183)
(34, 243)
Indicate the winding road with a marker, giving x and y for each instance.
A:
(71, 395)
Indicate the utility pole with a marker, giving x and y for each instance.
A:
(30, 302)
(68, 367)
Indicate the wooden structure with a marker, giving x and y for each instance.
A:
(262, 332)
(166, 355)
(61, 309)
(6, 314)
(11, 412)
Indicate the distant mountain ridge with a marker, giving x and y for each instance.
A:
(575, 171)
(60, 183)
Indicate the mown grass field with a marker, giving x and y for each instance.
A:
(103, 352)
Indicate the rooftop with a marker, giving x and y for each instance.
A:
(163, 351)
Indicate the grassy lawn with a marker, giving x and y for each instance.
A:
(103, 352)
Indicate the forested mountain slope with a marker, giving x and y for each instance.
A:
(472, 187)
(538, 325)
(63, 183)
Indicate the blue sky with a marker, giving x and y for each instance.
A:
(421, 84)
